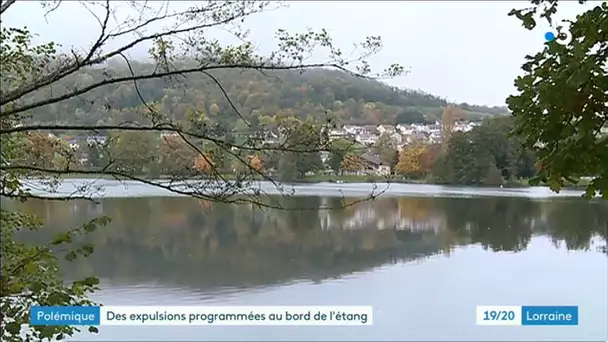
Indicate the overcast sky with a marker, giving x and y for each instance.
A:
(465, 51)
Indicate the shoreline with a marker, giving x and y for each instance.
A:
(521, 184)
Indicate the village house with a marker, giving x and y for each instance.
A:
(389, 129)
(415, 137)
(271, 139)
(406, 129)
(96, 139)
(76, 142)
(366, 138)
(435, 137)
(433, 129)
(400, 134)
(351, 129)
(339, 134)
(396, 137)
(373, 165)
(370, 165)
(463, 127)
(370, 129)
(82, 141)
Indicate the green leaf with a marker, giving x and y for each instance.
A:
(71, 255)
(31, 267)
(87, 249)
(93, 330)
(90, 227)
(47, 331)
(36, 286)
(89, 281)
(16, 288)
(13, 327)
(534, 181)
(62, 238)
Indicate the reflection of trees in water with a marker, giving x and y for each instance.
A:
(182, 240)
(501, 224)
(575, 224)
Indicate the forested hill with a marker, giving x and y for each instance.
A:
(289, 93)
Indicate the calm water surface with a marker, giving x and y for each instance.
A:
(423, 263)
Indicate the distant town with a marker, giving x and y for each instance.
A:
(400, 136)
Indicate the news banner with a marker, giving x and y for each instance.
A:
(276, 315)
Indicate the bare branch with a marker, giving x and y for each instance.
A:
(168, 127)
(199, 194)
(77, 65)
(219, 85)
(4, 5)
(50, 198)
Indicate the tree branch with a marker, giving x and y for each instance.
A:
(5, 5)
(76, 65)
(195, 194)
(169, 127)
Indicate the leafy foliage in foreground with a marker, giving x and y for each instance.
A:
(48, 84)
(561, 105)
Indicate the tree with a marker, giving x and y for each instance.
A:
(41, 80)
(486, 155)
(560, 105)
(204, 163)
(410, 116)
(409, 160)
(214, 109)
(339, 148)
(287, 169)
(176, 156)
(351, 163)
(394, 162)
(96, 155)
(493, 136)
(429, 157)
(39, 150)
(134, 152)
(385, 147)
(306, 140)
(256, 163)
(468, 161)
(451, 114)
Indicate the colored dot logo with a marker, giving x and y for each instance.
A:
(561, 35)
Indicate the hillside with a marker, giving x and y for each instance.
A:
(314, 92)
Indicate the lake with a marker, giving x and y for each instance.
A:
(423, 256)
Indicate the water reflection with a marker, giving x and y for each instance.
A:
(203, 245)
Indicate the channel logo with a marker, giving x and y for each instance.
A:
(561, 34)
(560, 27)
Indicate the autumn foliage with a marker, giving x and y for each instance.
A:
(451, 114)
(255, 163)
(43, 151)
(429, 157)
(176, 155)
(414, 160)
(204, 163)
(351, 163)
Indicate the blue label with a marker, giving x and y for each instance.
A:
(65, 315)
(549, 315)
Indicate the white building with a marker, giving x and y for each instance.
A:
(366, 138)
